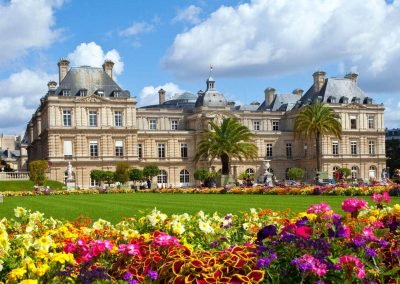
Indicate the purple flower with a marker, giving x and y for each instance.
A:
(127, 276)
(263, 262)
(267, 231)
(370, 252)
(152, 274)
(133, 281)
(273, 256)
(213, 244)
(302, 222)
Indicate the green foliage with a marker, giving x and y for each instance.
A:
(151, 171)
(346, 172)
(295, 173)
(122, 172)
(201, 174)
(225, 142)
(315, 121)
(244, 176)
(37, 171)
(102, 176)
(136, 174)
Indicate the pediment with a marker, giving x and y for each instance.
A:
(355, 106)
(91, 99)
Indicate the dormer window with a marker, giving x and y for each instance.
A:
(344, 100)
(100, 93)
(83, 92)
(116, 94)
(332, 100)
(65, 92)
(367, 101)
(356, 100)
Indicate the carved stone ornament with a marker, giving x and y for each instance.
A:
(89, 99)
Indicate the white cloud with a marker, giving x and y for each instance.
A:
(149, 94)
(190, 14)
(93, 55)
(137, 28)
(266, 37)
(392, 110)
(26, 25)
(24, 90)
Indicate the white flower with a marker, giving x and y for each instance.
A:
(20, 212)
(100, 224)
(206, 227)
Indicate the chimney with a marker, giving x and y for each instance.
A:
(319, 80)
(161, 96)
(52, 85)
(108, 67)
(63, 65)
(269, 96)
(352, 76)
(298, 92)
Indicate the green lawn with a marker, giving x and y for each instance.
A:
(113, 207)
(18, 185)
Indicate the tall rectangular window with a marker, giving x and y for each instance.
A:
(269, 150)
(256, 125)
(67, 149)
(161, 151)
(353, 147)
(335, 148)
(371, 148)
(119, 148)
(371, 122)
(92, 118)
(93, 149)
(289, 151)
(275, 125)
(174, 124)
(140, 151)
(353, 122)
(305, 150)
(118, 118)
(67, 121)
(184, 150)
(153, 124)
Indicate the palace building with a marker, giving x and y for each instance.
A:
(89, 121)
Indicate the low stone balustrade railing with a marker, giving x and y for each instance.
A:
(14, 176)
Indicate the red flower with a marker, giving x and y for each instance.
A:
(304, 232)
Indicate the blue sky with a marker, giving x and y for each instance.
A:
(251, 44)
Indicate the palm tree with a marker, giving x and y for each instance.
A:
(226, 141)
(315, 121)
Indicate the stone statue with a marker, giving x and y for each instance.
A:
(69, 171)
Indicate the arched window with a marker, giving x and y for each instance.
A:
(250, 172)
(162, 177)
(354, 172)
(372, 172)
(184, 176)
(334, 170)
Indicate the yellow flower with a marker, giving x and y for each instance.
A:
(42, 269)
(100, 224)
(29, 281)
(372, 219)
(374, 212)
(63, 258)
(16, 273)
(43, 243)
(310, 216)
(4, 242)
(396, 210)
(177, 228)
(20, 212)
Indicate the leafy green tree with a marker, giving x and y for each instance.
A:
(316, 120)
(122, 172)
(225, 142)
(201, 174)
(37, 171)
(136, 174)
(102, 176)
(295, 173)
(108, 177)
(345, 171)
(151, 171)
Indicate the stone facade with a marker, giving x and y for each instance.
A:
(89, 121)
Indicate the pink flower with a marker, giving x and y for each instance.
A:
(319, 208)
(98, 246)
(163, 239)
(308, 263)
(69, 247)
(350, 263)
(304, 232)
(368, 233)
(132, 249)
(379, 198)
(353, 204)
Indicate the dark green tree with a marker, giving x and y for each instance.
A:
(201, 174)
(316, 120)
(37, 171)
(295, 173)
(136, 174)
(225, 142)
(122, 172)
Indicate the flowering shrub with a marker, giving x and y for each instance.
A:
(259, 246)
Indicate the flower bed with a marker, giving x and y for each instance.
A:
(258, 246)
(345, 190)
